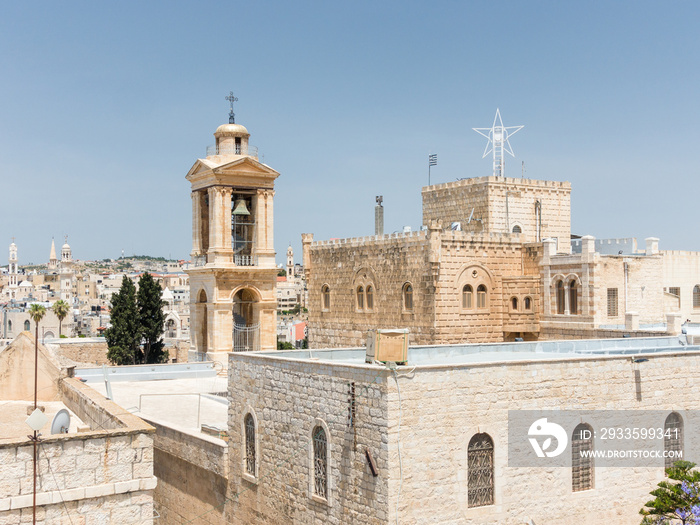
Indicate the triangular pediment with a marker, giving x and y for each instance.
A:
(217, 166)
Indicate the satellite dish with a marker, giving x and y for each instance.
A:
(61, 422)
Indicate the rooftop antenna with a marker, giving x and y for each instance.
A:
(498, 143)
(61, 422)
(231, 115)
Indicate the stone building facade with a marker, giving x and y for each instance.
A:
(232, 283)
(418, 424)
(494, 262)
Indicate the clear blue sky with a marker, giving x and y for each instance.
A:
(106, 106)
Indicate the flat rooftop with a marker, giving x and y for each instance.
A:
(467, 354)
(13, 415)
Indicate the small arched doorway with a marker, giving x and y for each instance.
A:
(246, 324)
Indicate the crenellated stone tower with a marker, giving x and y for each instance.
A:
(233, 276)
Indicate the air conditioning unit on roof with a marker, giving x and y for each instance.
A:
(387, 346)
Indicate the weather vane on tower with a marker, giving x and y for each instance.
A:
(232, 115)
(498, 136)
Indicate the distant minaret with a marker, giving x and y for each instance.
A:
(66, 255)
(66, 272)
(13, 268)
(290, 262)
(379, 216)
(53, 261)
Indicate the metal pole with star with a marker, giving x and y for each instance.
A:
(498, 143)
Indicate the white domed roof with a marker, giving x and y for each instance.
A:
(167, 295)
(65, 247)
(231, 129)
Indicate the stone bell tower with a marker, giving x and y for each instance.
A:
(233, 276)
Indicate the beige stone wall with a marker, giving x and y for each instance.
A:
(502, 203)
(288, 402)
(192, 475)
(682, 270)
(92, 353)
(387, 263)
(438, 264)
(467, 400)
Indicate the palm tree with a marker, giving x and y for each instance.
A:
(61, 309)
(37, 313)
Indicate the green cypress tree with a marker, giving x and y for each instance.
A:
(151, 319)
(124, 335)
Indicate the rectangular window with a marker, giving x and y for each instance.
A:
(675, 290)
(612, 302)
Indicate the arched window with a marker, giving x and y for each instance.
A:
(408, 296)
(370, 297)
(573, 298)
(480, 471)
(581, 460)
(673, 439)
(325, 297)
(528, 303)
(360, 297)
(9, 326)
(320, 462)
(481, 296)
(517, 229)
(250, 452)
(696, 296)
(467, 292)
(27, 326)
(514, 303)
(560, 297)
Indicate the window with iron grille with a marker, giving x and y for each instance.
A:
(582, 464)
(408, 297)
(675, 290)
(481, 296)
(250, 459)
(467, 292)
(696, 296)
(370, 297)
(320, 462)
(480, 471)
(612, 302)
(325, 297)
(673, 439)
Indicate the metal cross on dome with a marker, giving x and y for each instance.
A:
(498, 136)
(231, 115)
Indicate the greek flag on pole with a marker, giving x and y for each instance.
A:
(432, 159)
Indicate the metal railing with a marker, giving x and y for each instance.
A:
(246, 338)
(245, 260)
(230, 149)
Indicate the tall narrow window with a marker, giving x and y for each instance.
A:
(581, 458)
(673, 439)
(560, 297)
(360, 298)
(480, 471)
(408, 296)
(528, 303)
(696, 296)
(481, 296)
(250, 457)
(370, 297)
(612, 302)
(467, 292)
(325, 297)
(27, 325)
(573, 298)
(514, 304)
(320, 462)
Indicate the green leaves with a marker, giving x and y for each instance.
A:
(672, 502)
(135, 336)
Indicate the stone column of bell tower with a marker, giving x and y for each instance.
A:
(233, 273)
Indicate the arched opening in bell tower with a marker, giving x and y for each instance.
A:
(246, 322)
(203, 321)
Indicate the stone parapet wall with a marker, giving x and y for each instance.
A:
(192, 472)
